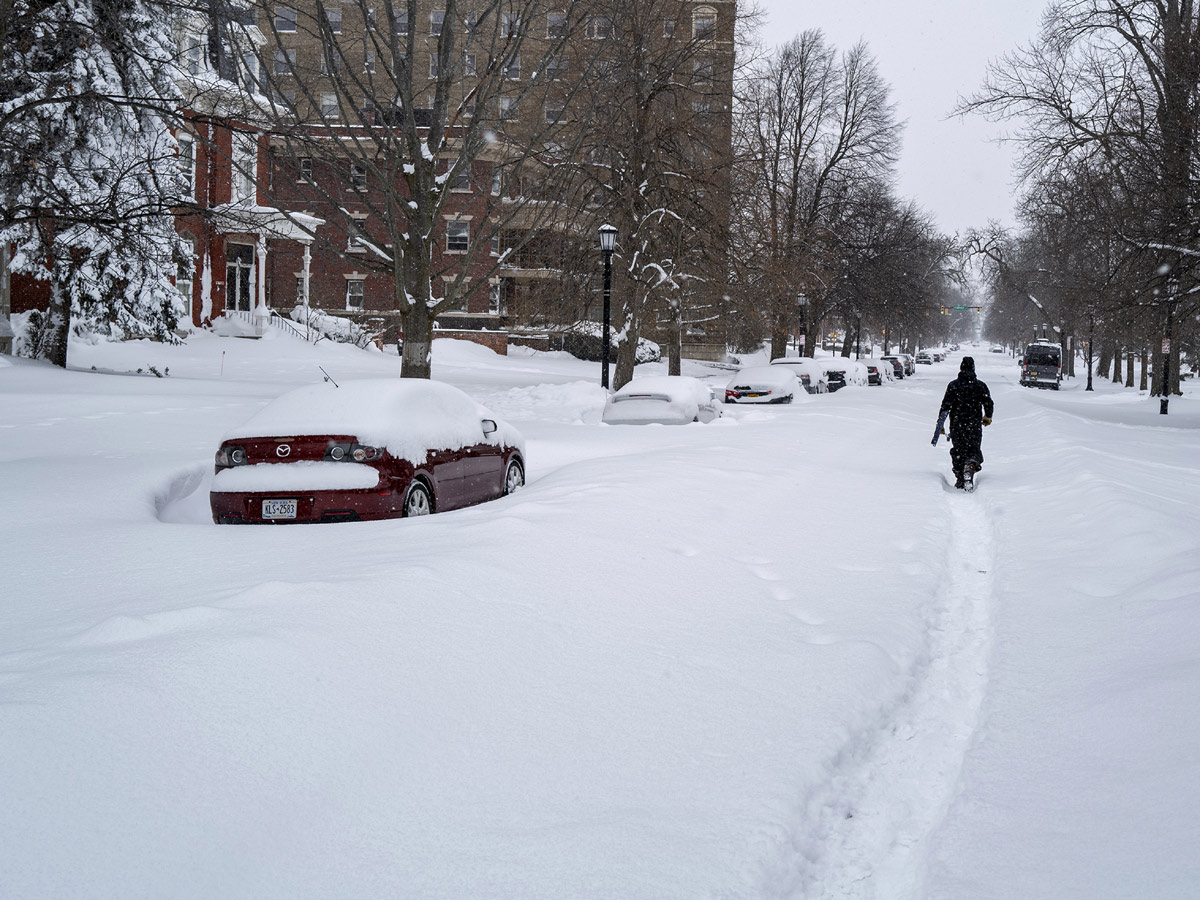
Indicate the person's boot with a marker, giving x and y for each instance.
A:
(959, 482)
(968, 478)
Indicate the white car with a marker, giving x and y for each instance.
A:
(809, 371)
(843, 372)
(763, 384)
(661, 400)
(878, 371)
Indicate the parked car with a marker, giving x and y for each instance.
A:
(910, 363)
(996, 348)
(878, 371)
(844, 372)
(809, 371)
(762, 384)
(662, 400)
(924, 358)
(369, 449)
(1041, 365)
(898, 371)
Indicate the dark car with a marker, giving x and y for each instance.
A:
(897, 365)
(364, 450)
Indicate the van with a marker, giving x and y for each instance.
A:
(1041, 365)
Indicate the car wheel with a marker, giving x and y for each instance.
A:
(417, 502)
(514, 477)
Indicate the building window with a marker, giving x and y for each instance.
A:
(494, 244)
(554, 114)
(329, 106)
(356, 290)
(437, 18)
(334, 17)
(330, 65)
(462, 181)
(702, 107)
(306, 169)
(187, 162)
(702, 70)
(599, 28)
(245, 163)
(513, 70)
(187, 267)
(556, 25)
(195, 56)
(402, 23)
(458, 236)
(668, 28)
(497, 181)
(358, 176)
(704, 24)
(369, 62)
(508, 109)
(371, 19)
(510, 25)
(433, 65)
(285, 62)
(469, 64)
(556, 67)
(285, 19)
(495, 301)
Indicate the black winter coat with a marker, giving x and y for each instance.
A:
(967, 400)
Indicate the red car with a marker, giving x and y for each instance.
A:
(364, 450)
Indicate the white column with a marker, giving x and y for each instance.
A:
(262, 316)
(307, 272)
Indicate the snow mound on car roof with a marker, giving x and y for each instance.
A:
(407, 416)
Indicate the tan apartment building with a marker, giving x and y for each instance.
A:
(604, 110)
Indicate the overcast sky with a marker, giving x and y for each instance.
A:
(931, 52)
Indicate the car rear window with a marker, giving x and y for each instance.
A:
(1041, 356)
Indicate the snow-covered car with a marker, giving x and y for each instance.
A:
(762, 384)
(843, 372)
(878, 371)
(370, 449)
(898, 371)
(925, 358)
(662, 400)
(809, 371)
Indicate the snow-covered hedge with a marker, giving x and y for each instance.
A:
(336, 328)
(585, 340)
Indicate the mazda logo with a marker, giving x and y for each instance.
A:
(283, 450)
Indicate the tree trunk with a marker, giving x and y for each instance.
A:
(58, 318)
(1116, 372)
(1176, 356)
(848, 344)
(1105, 357)
(1144, 382)
(1156, 373)
(1129, 369)
(779, 342)
(417, 359)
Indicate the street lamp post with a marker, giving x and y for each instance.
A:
(608, 241)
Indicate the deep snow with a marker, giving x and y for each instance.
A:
(770, 656)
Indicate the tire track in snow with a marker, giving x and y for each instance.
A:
(891, 788)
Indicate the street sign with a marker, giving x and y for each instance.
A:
(960, 307)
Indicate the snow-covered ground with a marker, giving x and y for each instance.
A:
(774, 656)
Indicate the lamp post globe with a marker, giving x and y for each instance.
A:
(608, 242)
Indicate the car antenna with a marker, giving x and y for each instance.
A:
(328, 377)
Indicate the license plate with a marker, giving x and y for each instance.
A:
(279, 509)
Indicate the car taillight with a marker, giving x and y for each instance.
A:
(730, 395)
(352, 453)
(231, 456)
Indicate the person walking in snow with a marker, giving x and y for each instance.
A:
(969, 404)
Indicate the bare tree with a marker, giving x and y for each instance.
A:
(813, 126)
(424, 135)
(1116, 83)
